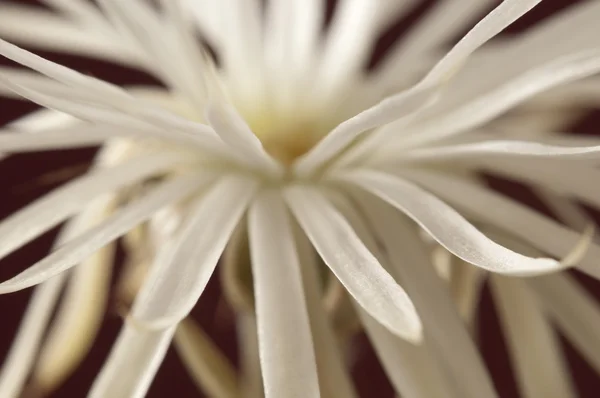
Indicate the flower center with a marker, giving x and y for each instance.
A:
(287, 138)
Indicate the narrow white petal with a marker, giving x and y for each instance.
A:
(411, 369)
(40, 29)
(448, 227)
(491, 104)
(565, 209)
(179, 276)
(132, 363)
(353, 31)
(534, 348)
(169, 56)
(445, 331)
(501, 149)
(406, 364)
(114, 226)
(240, 43)
(234, 131)
(289, 370)
(78, 320)
(466, 284)
(207, 14)
(50, 210)
(208, 366)
(566, 178)
(22, 354)
(423, 93)
(575, 312)
(334, 377)
(251, 377)
(443, 22)
(530, 67)
(121, 109)
(292, 36)
(496, 210)
(356, 268)
(77, 9)
(80, 136)
(101, 93)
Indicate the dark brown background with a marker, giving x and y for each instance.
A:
(25, 177)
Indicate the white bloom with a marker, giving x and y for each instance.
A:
(289, 130)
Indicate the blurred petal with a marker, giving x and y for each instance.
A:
(132, 363)
(445, 331)
(535, 350)
(48, 31)
(208, 366)
(574, 311)
(23, 351)
(55, 207)
(122, 221)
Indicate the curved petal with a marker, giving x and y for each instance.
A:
(180, 274)
(50, 210)
(289, 370)
(445, 331)
(448, 227)
(420, 95)
(81, 246)
(356, 268)
(208, 366)
(499, 211)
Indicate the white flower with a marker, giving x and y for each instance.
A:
(290, 130)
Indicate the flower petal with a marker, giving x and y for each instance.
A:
(234, 131)
(77, 322)
(50, 210)
(499, 211)
(208, 366)
(501, 149)
(445, 331)
(574, 311)
(347, 46)
(23, 351)
(32, 26)
(288, 369)
(180, 274)
(114, 226)
(420, 95)
(448, 227)
(555, 174)
(534, 347)
(74, 137)
(132, 363)
(356, 268)
(334, 377)
(445, 20)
